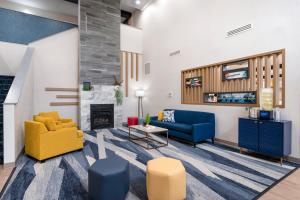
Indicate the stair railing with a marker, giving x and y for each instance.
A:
(18, 107)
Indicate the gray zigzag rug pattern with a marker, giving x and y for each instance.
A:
(213, 171)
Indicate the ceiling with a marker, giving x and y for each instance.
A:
(57, 6)
(131, 6)
(69, 7)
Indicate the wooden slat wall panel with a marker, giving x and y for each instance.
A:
(264, 71)
(129, 64)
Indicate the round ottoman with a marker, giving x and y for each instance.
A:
(108, 179)
(132, 121)
(166, 179)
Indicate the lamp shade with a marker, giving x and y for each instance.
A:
(139, 93)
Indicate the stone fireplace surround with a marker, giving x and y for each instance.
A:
(100, 94)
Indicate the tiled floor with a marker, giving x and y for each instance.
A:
(288, 189)
(4, 174)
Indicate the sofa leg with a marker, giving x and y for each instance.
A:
(213, 140)
(194, 145)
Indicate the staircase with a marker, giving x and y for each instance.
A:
(5, 83)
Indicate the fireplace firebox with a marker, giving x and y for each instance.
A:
(102, 116)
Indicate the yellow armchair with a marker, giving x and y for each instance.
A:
(43, 144)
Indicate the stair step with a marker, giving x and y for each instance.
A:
(5, 84)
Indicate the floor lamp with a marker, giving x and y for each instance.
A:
(140, 94)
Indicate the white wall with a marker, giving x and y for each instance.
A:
(132, 41)
(23, 112)
(55, 64)
(198, 28)
(10, 57)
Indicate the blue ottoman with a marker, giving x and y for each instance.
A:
(109, 179)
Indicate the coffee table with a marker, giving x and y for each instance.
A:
(147, 140)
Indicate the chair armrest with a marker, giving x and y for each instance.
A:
(33, 133)
(203, 131)
(65, 120)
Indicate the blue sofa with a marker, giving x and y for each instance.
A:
(189, 125)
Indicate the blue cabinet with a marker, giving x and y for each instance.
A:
(249, 138)
(270, 137)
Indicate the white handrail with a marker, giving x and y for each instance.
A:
(15, 90)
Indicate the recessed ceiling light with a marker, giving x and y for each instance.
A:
(137, 2)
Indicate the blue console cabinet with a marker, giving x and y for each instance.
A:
(268, 137)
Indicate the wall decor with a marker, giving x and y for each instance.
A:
(211, 98)
(235, 70)
(231, 98)
(265, 70)
(237, 98)
(266, 99)
(87, 86)
(193, 82)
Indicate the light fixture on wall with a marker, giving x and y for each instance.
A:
(140, 94)
(137, 2)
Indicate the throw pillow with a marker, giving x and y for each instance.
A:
(160, 116)
(41, 119)
(169, 116)
(51, 125)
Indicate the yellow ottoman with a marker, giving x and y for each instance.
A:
(166, 179)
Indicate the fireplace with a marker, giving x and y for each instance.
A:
(102, 116)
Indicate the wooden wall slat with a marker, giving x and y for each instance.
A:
(64, 103)
(193, 88)
(50, 89)
(268, 71)
(121, 66)
(275, 80)
(126, 74)
(137, 67)
(131, 63)
(283, 78)
(67, 96)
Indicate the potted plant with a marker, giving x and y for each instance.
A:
(147, 120)
(118, 91)
(118, 95)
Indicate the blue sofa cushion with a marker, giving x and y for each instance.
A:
(186, 128)
(182, 127)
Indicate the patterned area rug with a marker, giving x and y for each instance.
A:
(213, 171)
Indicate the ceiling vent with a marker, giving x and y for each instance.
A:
(147, 69)
(239, 30)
